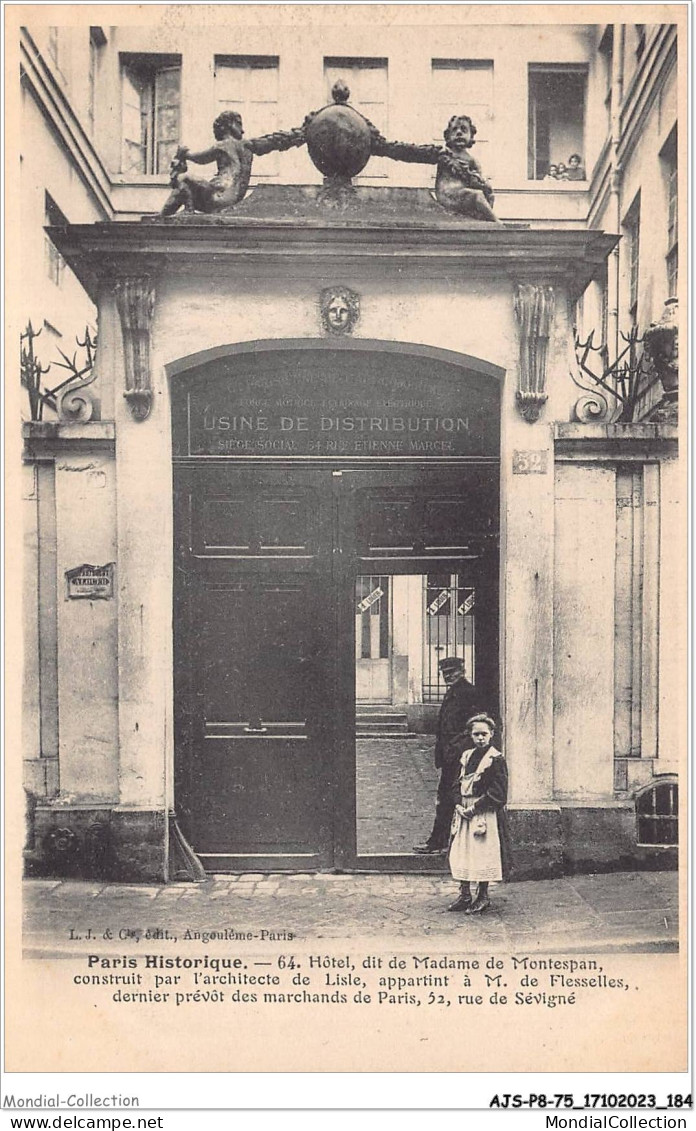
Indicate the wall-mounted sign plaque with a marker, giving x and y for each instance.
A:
(332, 403)
(530, 463)
(90, 582)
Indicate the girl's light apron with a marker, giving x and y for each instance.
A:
(474, 858)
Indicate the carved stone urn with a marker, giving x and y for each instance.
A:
(339, 139)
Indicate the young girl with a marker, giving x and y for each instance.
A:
(479, 850)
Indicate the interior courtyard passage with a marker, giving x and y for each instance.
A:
(396, 785)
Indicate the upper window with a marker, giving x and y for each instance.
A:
(97, 39)
(673, 252)
(606, 59)
(248, 84)
(632, 229)
(464, 86)
(151, 112)
(668, 157)
(53, 218)
(368, 84)
(367, 79)
(556, 142)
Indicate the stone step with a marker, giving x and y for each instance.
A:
(379, 728)
(396, 717)
(385, 734)
(379, 721)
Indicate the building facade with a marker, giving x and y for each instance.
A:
(244, 522)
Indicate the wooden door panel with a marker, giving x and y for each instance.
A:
(425, 511)
(253, 726)
(235, 515)
(259, 651)
(264, 801)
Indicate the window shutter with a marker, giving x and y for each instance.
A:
(166, 116)
(133, 155)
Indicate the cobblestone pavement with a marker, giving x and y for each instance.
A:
(396, 784)
(630, 911)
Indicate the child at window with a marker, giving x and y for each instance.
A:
(576, 171)
(561, 172)
(479, 849)
(552, 174)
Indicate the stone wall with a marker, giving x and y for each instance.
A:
(567, 627)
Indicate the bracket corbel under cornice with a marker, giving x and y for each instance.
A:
(535, 305)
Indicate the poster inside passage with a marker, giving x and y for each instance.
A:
(349, 581)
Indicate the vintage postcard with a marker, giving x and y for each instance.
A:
(346, 481)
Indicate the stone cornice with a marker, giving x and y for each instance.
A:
(582, 443)
(244, 245)
(37, 77)
(44, 439)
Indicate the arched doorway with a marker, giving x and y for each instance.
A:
(316, 482)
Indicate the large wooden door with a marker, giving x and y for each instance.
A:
(304, 473)
(255, 681)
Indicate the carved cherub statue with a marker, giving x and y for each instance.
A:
(459, 185)
(234, 155)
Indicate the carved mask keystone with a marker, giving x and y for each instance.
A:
(340, 309)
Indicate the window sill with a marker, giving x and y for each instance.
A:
(140, 179)
(560, 186)
(579, 188)
(93, 431)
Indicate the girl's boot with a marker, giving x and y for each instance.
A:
(463, 900)
(481, 902)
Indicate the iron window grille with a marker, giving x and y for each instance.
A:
(657, 815)
(449, 607)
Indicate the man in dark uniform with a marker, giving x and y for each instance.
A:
(459, 704)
